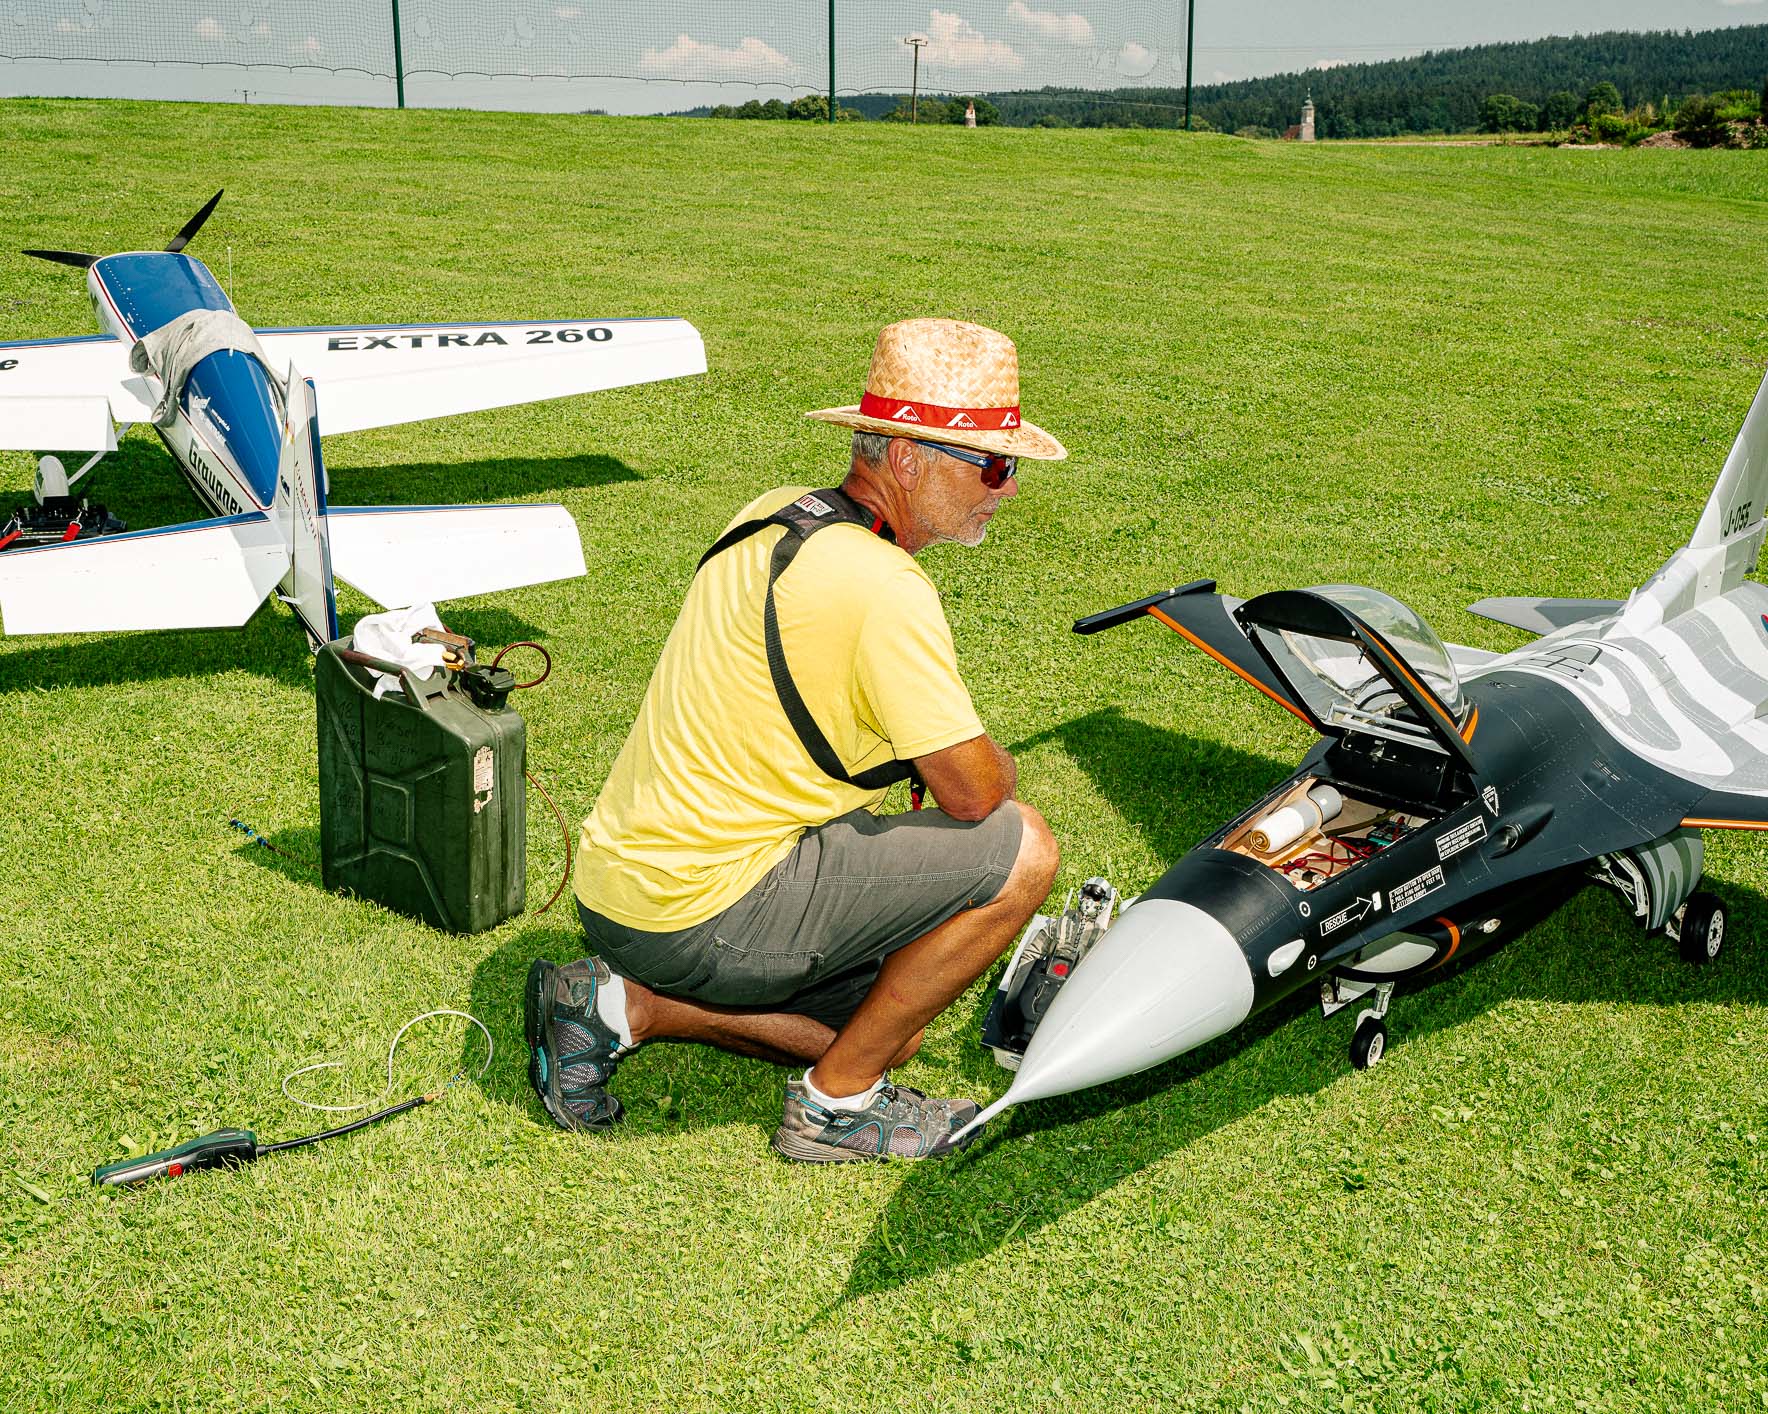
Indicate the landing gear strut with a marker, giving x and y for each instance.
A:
(1370, 1040)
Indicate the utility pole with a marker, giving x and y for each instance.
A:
(831, 60)
(1190, 32)
(398, 57)
(915, 43)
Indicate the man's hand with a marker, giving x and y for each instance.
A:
(970, 779)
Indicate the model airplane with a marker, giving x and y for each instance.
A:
(238, 409)
(1455, 798)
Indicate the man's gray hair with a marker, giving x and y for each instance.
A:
(871, 447)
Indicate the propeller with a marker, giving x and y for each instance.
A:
(64, 257)
(82, 261)
(195, 224)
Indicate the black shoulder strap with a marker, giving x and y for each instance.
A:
(811, 512)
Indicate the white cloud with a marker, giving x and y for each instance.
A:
(688, 58)
(307, 48)
(1740, 2)
(955, 42)
(1136, 61)
(1223, 76)
(1047, 24)
(208, 27)
(568, 12)
(1328, 63)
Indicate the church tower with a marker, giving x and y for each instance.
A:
(1307, 119)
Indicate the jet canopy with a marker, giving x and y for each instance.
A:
(1361, 662)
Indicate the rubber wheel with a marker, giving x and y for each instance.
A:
(1369, 1042)
(1702, 934)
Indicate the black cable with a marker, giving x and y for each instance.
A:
(399, 1108)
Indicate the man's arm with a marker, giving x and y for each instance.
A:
(970, 779)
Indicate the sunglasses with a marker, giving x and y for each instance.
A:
(997, 468)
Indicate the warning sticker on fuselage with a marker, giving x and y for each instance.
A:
(1461, 837)
(1403, 896)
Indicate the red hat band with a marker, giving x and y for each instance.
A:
(936, 418)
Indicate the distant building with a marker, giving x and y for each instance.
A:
(1304, 130)
(970, 115)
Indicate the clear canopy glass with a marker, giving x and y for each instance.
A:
(1341, 668)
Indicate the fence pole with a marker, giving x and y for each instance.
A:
(1190, 30)
(398, 57)
(831, 60)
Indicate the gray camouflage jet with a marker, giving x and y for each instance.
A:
(1455, 798)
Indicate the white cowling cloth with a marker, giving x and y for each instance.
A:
(388, 636)
(179, 345)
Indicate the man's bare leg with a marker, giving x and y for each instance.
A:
(922, 979)
(917, 982)
(786, 1038)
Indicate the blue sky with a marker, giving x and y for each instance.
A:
(675, 55)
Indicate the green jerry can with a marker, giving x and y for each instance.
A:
(421, 801)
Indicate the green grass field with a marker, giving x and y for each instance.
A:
(1446, 372)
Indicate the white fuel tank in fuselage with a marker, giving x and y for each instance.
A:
(226, 434)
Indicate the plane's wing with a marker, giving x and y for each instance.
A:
(1728, 810)
(1206, 620)
(1466, 659)
(63, 395)
(405, 555)
(1543, 615)
(207, 574)
(378, 375)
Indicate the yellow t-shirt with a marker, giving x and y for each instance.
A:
(713, 787)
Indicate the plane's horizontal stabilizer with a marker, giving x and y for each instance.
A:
(207, 574)
(404, 555)
(1543, 615)
(77, 423)
(377, 376)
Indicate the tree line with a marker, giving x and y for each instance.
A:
(1438, 92)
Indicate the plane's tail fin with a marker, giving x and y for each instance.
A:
(1727, 539)
(298, 511)
(1740, 496)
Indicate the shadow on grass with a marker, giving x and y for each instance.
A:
(489, 479)
(270, 644)
(1046, 1159)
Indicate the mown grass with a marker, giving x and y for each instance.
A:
(1447, 372)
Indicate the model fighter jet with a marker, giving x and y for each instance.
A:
(1455, 798)
(239, 409)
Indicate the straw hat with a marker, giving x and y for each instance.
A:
(942, 380)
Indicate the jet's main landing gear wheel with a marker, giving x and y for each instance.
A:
(1701, 933)
(1369, 1042)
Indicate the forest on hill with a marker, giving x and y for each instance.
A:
(1436, 92)
(1442, 91)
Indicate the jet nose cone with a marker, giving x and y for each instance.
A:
(1165, 978)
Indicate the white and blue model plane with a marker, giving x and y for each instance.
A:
(239, 409)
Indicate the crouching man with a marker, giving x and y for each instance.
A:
(734, 882)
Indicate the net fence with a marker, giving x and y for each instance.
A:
(692, 52)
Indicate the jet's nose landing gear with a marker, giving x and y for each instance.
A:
(1369, 1042)
(1699, 928)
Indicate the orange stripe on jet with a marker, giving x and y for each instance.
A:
(1695, 822)
(1454, 942)
(1232, 666)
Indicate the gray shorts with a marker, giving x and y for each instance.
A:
(810, 937)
